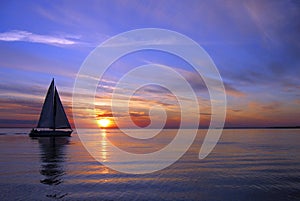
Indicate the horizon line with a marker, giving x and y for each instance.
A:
(228, 127)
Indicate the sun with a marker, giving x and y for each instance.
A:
(104, 123)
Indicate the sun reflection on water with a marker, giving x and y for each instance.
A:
(103, 143)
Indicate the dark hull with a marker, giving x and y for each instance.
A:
(50, 133)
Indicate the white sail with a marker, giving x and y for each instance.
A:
(61, 120)
(53, 114)
(47, 114)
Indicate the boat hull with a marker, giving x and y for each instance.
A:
(50, 133)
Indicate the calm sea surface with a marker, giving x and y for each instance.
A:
(255, 164)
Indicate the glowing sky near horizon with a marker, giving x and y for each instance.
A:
(254, 44)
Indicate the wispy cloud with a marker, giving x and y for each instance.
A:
(19, 35)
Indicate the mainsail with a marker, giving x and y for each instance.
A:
(61, 120)
(53, 114)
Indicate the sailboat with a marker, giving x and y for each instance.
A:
(53, 119)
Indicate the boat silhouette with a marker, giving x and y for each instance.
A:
(53, 119)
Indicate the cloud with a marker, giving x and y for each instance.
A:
(272, 106)
(235, 110)
(19, 35)
(273, 18)
(16, 123)
(105, 114)
(232, 91)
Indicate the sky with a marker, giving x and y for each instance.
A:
(254, 44)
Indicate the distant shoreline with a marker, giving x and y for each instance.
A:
(269, 127)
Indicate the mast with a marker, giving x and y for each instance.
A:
(54, 107)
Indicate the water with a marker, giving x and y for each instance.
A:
(255, 164)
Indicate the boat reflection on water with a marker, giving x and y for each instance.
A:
(52, 150)
(52, 158)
